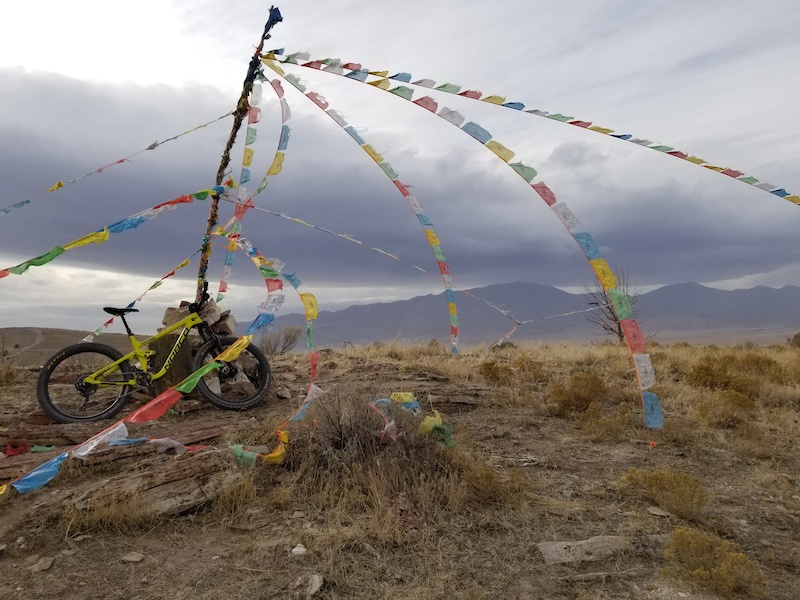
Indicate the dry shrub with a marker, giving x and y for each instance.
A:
(340, 464)
(582, 390)
(616, 424)
(496, 372)
(714, 564)
(125, 514)
(714, 373)
(530, 369)
(727, 409)
(276, 343)
(236, 494)
(675, 491)
(762, 367)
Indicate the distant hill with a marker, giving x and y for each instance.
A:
(688, 311)
(681, 312)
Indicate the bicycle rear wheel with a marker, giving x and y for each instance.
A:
(67, 398)
(239, 384)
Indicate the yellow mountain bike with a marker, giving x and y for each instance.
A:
(90, 382)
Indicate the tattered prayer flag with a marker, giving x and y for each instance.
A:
(260, 321)
(793, 198)
(3, 489)
(358, 74)
(247, 159)
(478, 132)
(155, 408)
(450, 88)
(40, 475)
(60, 184)
(452, 308)
(118, 431)
(403, 189)
(695, 159)
(524, 171)
(337, 116)
(317, 99)
(545, 192)
(403, 91)
(314, 64)
(379, 73)
(372, 153)
(428, 103)
(780, 192)
(432, 239)
(188, 384)
(309, 336)
(750, 180)
(253, 115)
(232, 352)
(587, 244)
(354, 134)
(425, 82)
(559, 117)
(381, 83)
(678, 154)
(245, 176)
(653, 416)
(645, 370)
(286, 112)
(563, 212)
(310, 305)
(36, 262)
(714, 168)
(274, 66)
(662, 148)
(277, 164)
(452, 116)
(283, 143)
(443, 268)
(621, 302)
(98, 237)
(474, 94)
(250, 136)
(604, 273)
(500, 150)
(387, 168)
(437, 252)
(273, 285)
(514, 105)
(255, 95)
(296, 82)
(634, 335)
(599, 129)
(766, 186)
(583, 124)
(493, 99)
(404, 77)
(334, 68)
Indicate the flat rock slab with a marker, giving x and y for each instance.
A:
(594, 548)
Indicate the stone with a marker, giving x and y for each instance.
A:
(226, 325)
(42, 564)
(654, 510)
(284, 394)
(133, 557)
(298, 514)
(308, 585)
(591, 549)
(299, 550)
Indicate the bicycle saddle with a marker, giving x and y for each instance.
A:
(119, 312)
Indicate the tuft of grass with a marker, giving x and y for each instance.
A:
(578, 394)
(675, 491)
(123, 514)
(616, 424)
(727, 409)
(237, 493)
(714, 373)
(496, 372)
(714, 564)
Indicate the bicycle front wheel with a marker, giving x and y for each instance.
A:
(66, 396)
(239, 384)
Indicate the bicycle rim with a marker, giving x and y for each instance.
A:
(74, 399)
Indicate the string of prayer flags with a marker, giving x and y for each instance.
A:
(60, 184)
(583, 240)
(390, 172)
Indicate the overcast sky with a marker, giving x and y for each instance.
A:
(86, 83)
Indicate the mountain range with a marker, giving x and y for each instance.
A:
(689, 312)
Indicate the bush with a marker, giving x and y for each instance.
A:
(794, 341)
(280, 342)
(578, 394)
(674, 491)
(713, 563)
(713, 373)
(728, 409)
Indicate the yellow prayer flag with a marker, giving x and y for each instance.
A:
(452, 308)
(372, 153)
(599, 129)
(97, 237)
(696, 160)
(268, 56)
(402, 397)
(235, 350)
(310, 305)
(795, 199)
(381, 83)
(604, 273)
(60, 184)
(183, 264)
(493, 99)
(247, 159)
(713, 168)
(279, 454)
(261, 261)
(500, 150)
(428, 423)
(277, 164)
(379, 73)
(3, 489)
(432, 239)
(271, 64)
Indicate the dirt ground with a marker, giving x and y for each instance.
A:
(477, 553)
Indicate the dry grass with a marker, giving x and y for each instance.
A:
(676, 492)
(714, 564)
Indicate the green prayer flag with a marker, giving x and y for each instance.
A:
(621, 302)
(526, 172)
(188, 384)
(450, 88)
(403, 91)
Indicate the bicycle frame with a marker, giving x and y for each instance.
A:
(143, 356)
